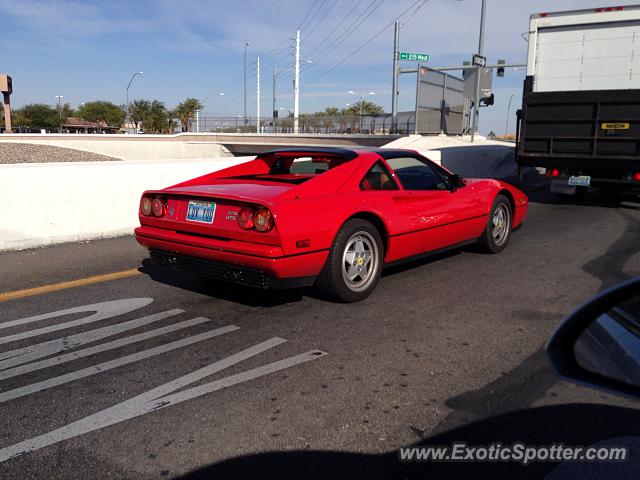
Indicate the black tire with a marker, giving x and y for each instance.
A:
(347, 258)
(496, 234)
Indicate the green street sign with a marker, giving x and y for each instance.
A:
(416, 57)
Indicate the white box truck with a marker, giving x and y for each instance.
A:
(580, 116)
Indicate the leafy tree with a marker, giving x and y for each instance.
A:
(36, 116)
(102, 111)
(186, 110)
(67, 111)
(138, 109)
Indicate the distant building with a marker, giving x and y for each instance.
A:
(80, 125)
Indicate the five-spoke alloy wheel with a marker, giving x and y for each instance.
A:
(354, 263)
(496, 235)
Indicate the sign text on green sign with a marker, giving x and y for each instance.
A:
(417, 57)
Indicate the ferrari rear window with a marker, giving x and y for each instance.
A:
(306, 165)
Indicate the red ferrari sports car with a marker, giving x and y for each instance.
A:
(329, 217)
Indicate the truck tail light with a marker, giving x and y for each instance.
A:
(636, 176)
(553, 172)
(145, 206)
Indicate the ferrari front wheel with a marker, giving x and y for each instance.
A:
(354, 264)
(496, 234)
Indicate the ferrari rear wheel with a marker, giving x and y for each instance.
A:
(496, 234)
(354, 263)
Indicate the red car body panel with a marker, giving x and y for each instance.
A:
(308, 215)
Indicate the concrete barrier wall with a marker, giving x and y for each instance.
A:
(190, 145)
(44, 204)
(129, 147)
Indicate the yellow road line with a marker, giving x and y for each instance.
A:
(54, 287)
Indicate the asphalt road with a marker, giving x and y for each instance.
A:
(277, 385)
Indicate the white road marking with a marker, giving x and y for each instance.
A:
(32, 367)
(118, 362)
(152, 400)
(103, 311)
(254, 373)
(41, 350)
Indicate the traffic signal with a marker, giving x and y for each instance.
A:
(500, 70)
(487, 101)
(275, 114)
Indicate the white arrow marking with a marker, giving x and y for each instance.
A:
(152, 400)
(32, 367)
(41, 350)
(118, 362)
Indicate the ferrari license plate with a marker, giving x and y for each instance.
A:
(202, 212)
(581, 181)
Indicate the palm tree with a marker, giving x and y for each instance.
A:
(138, 109)
(186, 110)
(374, 110)
(329, 113)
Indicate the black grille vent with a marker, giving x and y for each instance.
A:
(250, 277)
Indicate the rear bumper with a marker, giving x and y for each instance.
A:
(561, 184)
(255, 265)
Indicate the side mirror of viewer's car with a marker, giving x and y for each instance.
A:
(598, 345)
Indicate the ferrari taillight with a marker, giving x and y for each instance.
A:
(636, 176)
(263, 220)
(553, 172)
(145, 206)
(245, 218)
(157, 206)
(260, 219)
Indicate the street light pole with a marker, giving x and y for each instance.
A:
(273, 93)
(506, 130)
(296, 86)
(60, 97)
(258, 96)
(394, 87)
(476, 101)
(128, 85)
(245, 82)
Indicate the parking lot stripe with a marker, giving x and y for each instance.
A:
(54, 287)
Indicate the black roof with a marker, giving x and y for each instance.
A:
(348, 153)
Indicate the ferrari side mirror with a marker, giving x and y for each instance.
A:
(598, 345)
(456, 181)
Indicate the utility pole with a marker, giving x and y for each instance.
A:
(245, 82)
(476, 101)
(60, 97)
(258, 96)
(296, 86)
(273, 93)
(394, 87)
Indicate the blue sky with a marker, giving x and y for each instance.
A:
(88, 50)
